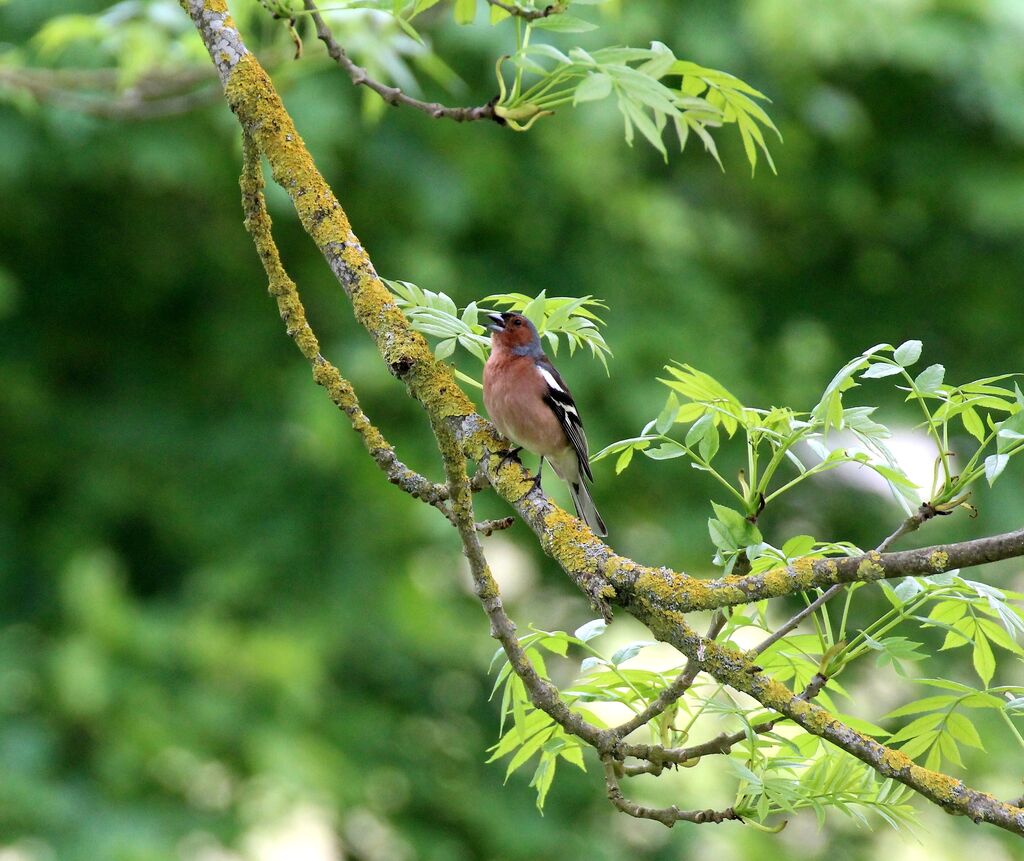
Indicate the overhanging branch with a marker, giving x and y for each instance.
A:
(393, 95)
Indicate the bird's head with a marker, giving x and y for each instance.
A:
(514, 332)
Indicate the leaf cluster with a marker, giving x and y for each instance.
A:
(556, 317)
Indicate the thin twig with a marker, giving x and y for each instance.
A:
(667, 816)
(544, 695)
(518, 11)
(720, 744)
(911, 524)
(488, 527)
(674, 691)
(140, 102)
(393, 95)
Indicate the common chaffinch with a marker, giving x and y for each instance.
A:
(531, 405)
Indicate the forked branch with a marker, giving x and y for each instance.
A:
(658, 597)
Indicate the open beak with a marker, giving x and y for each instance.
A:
(497, 323)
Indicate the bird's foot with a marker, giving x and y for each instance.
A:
(510, 456)
(536, 478)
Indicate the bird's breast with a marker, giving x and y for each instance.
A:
(514, 398)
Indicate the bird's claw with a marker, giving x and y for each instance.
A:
(510, 456)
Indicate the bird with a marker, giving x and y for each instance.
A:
(531, 405)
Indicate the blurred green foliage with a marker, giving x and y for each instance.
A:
(213, 612)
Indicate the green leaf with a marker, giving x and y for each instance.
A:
(564, 24)
(743, 533)
(994, 466)
(926, 704)
(963, 730)
(984, 660)
(444, 349)
(534, 312)
(1010, 431)
(893, 475)
(668, 450)
(465, 11)
(973, 423)
(573, 753)
(879, 370)
(698, 429)
(947, 612)
(519, 702)
(917, 727)
(708, 446)
(907, 353)
(828, 410)
(528, 749)
(593, 88)
(720, 535)
(798, 545)
(930, 379)
(544, 776)
(666, 418)
(624, 459)
(593, 628)
(630, 650)
(863, 726)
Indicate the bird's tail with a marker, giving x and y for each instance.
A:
(585, 508)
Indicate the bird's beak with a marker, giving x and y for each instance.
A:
(497, 323)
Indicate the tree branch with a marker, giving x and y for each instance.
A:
(393, 95)
(544, 695)
(911, 524)
(675, 592)
(736, 670)
(144, 101)
(517, 11)
(674, 691)
(667, 816)
(657, 597)
(340, 391)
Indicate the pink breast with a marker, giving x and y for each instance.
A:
(515, 404)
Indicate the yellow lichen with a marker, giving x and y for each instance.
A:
(261, 113)
(935, 784)
(895, 760)
(938, 560)
(869, 569)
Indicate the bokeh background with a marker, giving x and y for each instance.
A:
(223, 636)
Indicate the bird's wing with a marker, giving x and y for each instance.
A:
(558, 397)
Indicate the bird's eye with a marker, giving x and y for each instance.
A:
(517, 323)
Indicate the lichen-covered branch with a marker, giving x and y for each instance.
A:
(735, 669)
(289, 305)
(543, 694)
(658, 597)
(671, 591)
(674, 691)
(911, 524)
(393, 95)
